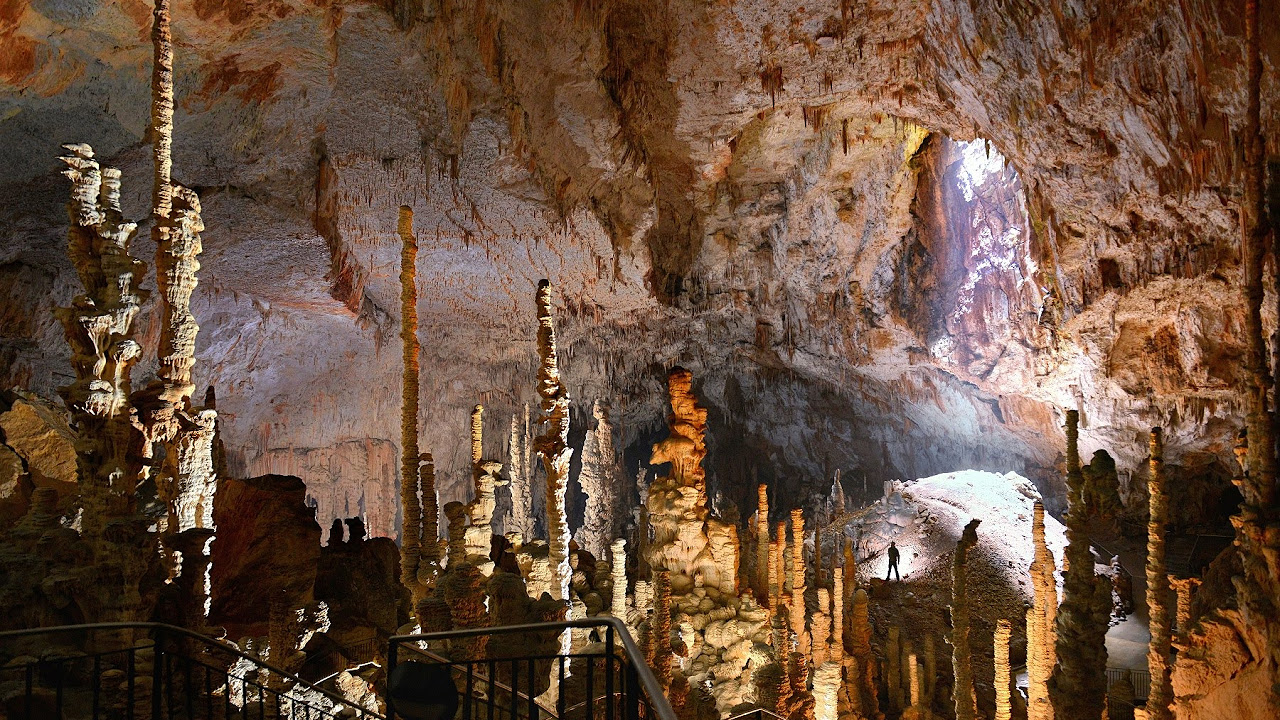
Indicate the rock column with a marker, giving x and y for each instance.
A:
(1003, 630)
(1160, 699)
(552, 445)
(966, 700)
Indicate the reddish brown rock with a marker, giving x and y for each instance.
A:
(267, 549)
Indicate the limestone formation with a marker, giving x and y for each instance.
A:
(552, 445)
(1078, 686)
(618, 607)
(961, 655)
(599, 479)
(1041, 622)
(1003, 689)
(1185, 588)
(796, 603)
(520, 476)
(484, 476)
(893, 669)
(763, 546)
(1160, 699)
(412, 531)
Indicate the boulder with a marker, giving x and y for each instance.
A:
(267, 549)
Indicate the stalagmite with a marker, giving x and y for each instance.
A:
(599, 480)
(520, 472)
(1078, 686)
(961, 657)
(98, 327)
(1185, 588)
(837, 617)
(763, 546)
(432, 551)
(660, 656)
(552, 445)
(411, 523)
(893, 669)
(913, 673)
(185, 479)
(1004, 629)
(1160, 699)
(479, 533)
(1041, 622)
(860, 630)
(796, 603)
(777, 564)
(618, 608)
(826, 686)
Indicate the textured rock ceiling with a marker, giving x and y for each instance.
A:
(777, 195)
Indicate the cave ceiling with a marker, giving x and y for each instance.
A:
(890, 237)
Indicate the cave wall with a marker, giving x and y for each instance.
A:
(771, 194)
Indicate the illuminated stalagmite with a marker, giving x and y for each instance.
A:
(1079, 683)
(185, 479)
(763, 545)
(1185, 588)
(98, 328)
(796, 602)
(618, 606)
(599, 480)
(414, 553)
(1041, 622)
(961, 656)
(1161, 694)
(552, 445)
(484, 476)
(520, 474)
(1003, 630)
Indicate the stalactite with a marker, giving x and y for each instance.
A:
(552, 445)
(1041, 622)
(1004, 629)
(411, 523)
(961, 657)
(1160, 699)
(1079, 683)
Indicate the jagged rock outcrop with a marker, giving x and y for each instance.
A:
(266, 551)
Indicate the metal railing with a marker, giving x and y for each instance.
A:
(135, 671)
(607, 680)
(1140, 679)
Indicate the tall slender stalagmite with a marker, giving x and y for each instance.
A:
(618, 556)
(520, 472)
(1003, 631)
(1256, 536)
(1160, 699)
(599, 481)
(1041, 622)
(1185, 588)
(796, 603)
(484, 476)
(185, 480)
(1078, 687)
(553, 444)
(961, 657)
(763, 545)
(411, 516)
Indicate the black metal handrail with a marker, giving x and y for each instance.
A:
(179, 682)
(638, 689)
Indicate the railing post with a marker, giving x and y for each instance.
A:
(157, 674)
(392, 656)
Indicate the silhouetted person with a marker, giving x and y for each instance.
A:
(422, 692)
(893, 562)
